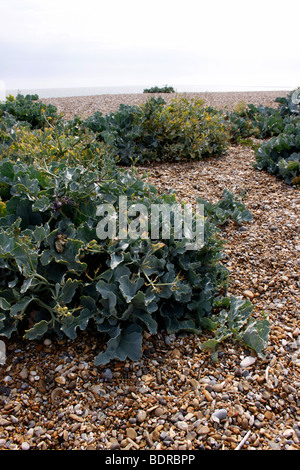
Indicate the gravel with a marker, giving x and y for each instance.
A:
(53, 397)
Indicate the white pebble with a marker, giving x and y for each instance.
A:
(248, 361)
(25, 446)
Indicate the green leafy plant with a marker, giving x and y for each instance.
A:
(55, 143)
(260, 122)
(57, 276)
(281, 155)
(156, 89)
(28, 109)
(182, 130)
(233, 322)
(289, 105)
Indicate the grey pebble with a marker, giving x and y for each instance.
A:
(219, 415)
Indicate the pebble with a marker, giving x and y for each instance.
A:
(24, 374)
(219, 415)
(158, 412)
(203, 430)
(182, 425)
(25, 446)
(2, 443)
(249, 294)
(107, 374)
(141, 416)
(61, 380)
(247, 361)
(131, 433)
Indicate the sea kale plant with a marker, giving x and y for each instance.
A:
(280, 155)
(157, 89)
(155, 131)
(57, 276)
(30, 110)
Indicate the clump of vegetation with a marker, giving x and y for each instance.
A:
(280, 155)
(29, 110)
(261, 122)
(57, 276)
(278, 130)
(182, 130)
(156, 89)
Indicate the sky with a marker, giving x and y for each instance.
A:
(213, 43)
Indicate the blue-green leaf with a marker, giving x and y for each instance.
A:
(126, 344)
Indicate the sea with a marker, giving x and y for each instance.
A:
(106, 90)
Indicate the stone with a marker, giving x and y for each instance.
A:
(155, 435)
(248, 361)
(182, 425)
(25, 446)
(218, 387)
(61, 380)
(2, 353)
(249, 294)
(2, 443)
(176, 353)
(207, 395)
(202, 430)
(24, 374)
(141, 416)
(107, 375)
(158, 412)
(131, 433)
(219, 415)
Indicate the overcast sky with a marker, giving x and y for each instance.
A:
(70, 43)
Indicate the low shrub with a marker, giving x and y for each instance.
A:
(28, 109)
(156, 89)
(290, 104)
(55, 144)
(261, 122)
(280, 155)
(182, 130)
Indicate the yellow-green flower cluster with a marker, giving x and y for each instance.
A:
(47, 145)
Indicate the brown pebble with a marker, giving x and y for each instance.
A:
(176, 353)
(249, 294)
(207, 395)
(158, 412)
(202, 430)
(218, 387)
(131, 433)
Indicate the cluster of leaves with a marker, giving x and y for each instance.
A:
(289, 105)
(28, 109)
(156, 89)
(57, 276)
(58, 143)
(280, 155)
(261, 122)
(182, 130)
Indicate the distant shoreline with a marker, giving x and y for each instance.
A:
(85, 106)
